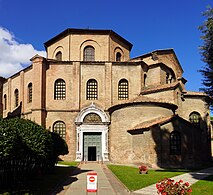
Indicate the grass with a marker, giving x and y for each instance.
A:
(131, 178)
(203, 187)
(68, 163)
(42, 184)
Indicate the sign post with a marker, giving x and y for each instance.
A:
(92, 182)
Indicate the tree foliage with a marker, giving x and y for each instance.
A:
(207, 52)
(20, 138)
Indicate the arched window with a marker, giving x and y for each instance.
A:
(123, 89)
(118, 57)
(92, 118)
(58, 56)
(30, 88)
(92, 89)
(16, 94)
(89, 53)
(194, 118)
(60, 89)
(175, 143)
(5, 102)
(60, 128)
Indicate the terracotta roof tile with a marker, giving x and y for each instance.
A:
(143, 99)
(150, 123)
(160, 88)
(193, 93)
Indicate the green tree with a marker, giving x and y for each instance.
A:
(207, 52)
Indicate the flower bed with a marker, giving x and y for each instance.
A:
(143, 169)
(170, 187)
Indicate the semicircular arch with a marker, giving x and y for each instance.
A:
(93, 44)
(91, 109)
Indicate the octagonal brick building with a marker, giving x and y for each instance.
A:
(110, 107)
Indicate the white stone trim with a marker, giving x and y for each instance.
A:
(84, 128)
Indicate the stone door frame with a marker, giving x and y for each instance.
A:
(82, 128)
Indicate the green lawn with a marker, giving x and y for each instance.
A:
(68, 163)
(130, 177)
(203, 187)
(42, 184)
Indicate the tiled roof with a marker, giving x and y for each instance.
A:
(193, 93)
(143, 99)
(86, 31)
(160, 88)
(150, 123)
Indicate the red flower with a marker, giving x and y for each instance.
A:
(170, 187)
(187, 184)
(189, 190)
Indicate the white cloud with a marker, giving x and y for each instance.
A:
(13, 55)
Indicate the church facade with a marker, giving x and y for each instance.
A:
(110, 107)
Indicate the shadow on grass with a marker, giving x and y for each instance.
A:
(173, 170)
(43, 184)
(71, 178)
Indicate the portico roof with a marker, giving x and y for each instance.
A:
(142, 100)
(150, 123)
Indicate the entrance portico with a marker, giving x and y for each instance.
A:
(92, 134)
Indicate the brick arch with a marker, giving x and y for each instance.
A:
(92, 43)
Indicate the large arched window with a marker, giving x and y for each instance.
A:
(5, 102)
(92, 89)
(175, 143)
(123, 89)
(194, 118)
(60, 89)
(16, 94)
(58, 56)
(30, 92)
(118, 57)
(60, 128)
(89, 53)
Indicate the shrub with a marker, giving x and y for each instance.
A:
(26, 149)
(143, 169)
(170, 187)
(59, 147)
(20, 138)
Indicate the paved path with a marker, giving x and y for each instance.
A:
(108, 184)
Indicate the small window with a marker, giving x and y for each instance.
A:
(60, 128)
(92, 89)
(16, 94)
(145, 80)
(5, 102)
(175, 143)
(58, 56)
(30, 88)
(89, 53)
(194, 118)
(167, 78)
(123, 89)
(118, 57)
(60, 89)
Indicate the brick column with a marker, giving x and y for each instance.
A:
(39, 90)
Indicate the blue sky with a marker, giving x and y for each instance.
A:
(148, 25)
